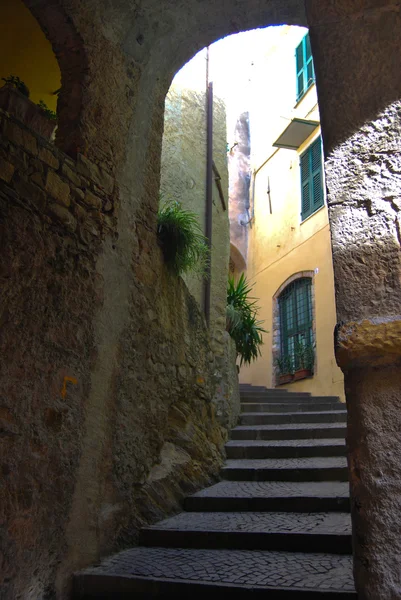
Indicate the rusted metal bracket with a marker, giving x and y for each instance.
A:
(217, 179)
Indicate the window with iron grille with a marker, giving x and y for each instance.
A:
(295, 306)
(311, 165)
(305, 68)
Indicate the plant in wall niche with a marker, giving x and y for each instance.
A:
(242, 323)
(285, 368)
(50, 114)
(304, 359)
(17, 83)
(14, 99)
(181, 239)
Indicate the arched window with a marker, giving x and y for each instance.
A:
(296, 319)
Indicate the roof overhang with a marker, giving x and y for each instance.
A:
(296, 133)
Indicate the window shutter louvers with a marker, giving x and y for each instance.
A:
(304, 66)
(312, 195)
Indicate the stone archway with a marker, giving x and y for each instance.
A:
(90, 312)
(69, 50)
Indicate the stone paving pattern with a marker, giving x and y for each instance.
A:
(237, 567)
(293, 426)
(315, 462)
(264, 522)
(310, 572)
(276, 489)
(315, 443)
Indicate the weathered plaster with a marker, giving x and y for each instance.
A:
(368, 343)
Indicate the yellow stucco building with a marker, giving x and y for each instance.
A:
(289, 250)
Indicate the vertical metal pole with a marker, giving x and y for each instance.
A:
(209, 184)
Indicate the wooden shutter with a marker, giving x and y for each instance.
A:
(299, 54)
(304, 66)
(310, 71)
(305, 186)
(312, 194)
(317, 174)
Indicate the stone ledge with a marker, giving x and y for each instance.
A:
(368, 343)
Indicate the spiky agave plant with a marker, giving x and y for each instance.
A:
(242, 323)
(181, 239)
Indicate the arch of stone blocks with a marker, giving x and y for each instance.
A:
(117, 63)
(69, 50)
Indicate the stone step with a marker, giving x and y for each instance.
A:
(263, 399)
(288, 431)
(287, 469)
(339, 416)
(285, 448)
(293, 532)
(182, 572)
(273, 392)
(281, 407)
(277, 496)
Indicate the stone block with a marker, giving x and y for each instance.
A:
(49, 158)
(20, 137)
(30, 193)
(70, 174)
(64, 216)
(92, 200)
(37, 178)
(58, 189)
(96, 174)
(6, 170)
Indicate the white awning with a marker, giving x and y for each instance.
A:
(295, 134)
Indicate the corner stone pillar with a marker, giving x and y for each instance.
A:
(355, 45)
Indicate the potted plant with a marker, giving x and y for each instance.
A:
(14, 99)
(304, 360)
(286, 371)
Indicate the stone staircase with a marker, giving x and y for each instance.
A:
(276, 526)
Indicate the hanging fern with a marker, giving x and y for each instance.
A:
(181, 239)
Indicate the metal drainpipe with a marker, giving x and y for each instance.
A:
(209, 187)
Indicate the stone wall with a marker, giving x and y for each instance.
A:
(183, 178)
(88, 458)
(87, 312)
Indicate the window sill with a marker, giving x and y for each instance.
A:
(298, 102)
(313, 214)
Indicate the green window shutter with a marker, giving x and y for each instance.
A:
(305, 186)
(304, 66)
(312, 194)
(299, 54)
(317, 174)
(310, 71)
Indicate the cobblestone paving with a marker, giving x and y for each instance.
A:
(237, 567)
(258, 568)
(292, 426)
(277, 489)
(316, 462)
(290, 443)
(263, 522)
(273, 408)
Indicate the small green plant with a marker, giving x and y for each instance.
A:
(304, 355)
(50, 114)
(242, 323)
(181, 239)
(17, 83)
(284, 364)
